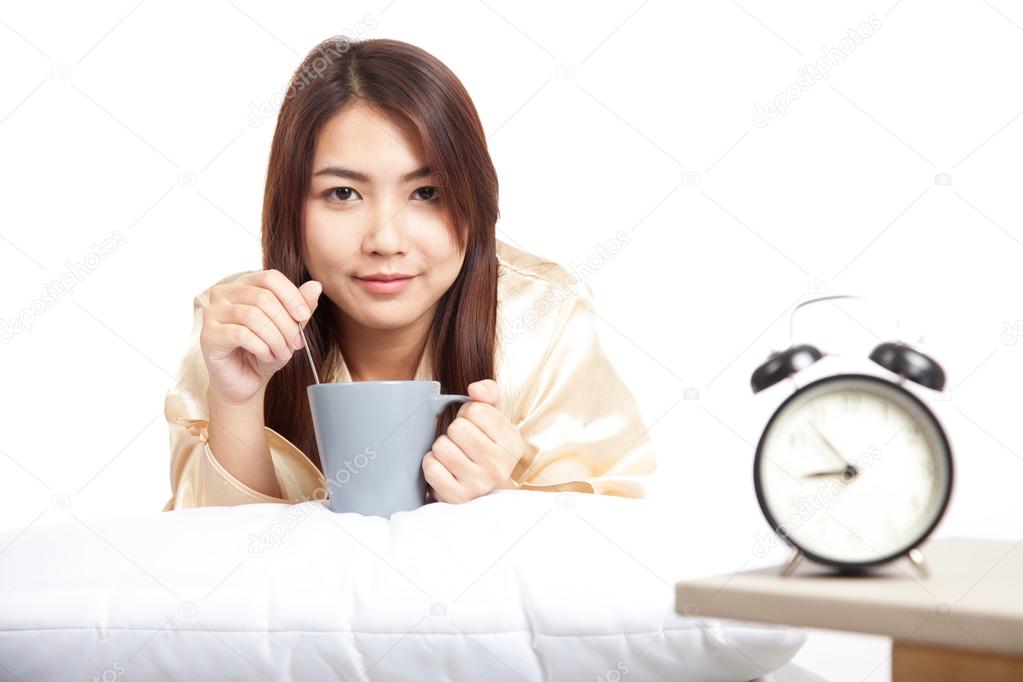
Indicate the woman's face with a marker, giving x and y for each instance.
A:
(374, 208)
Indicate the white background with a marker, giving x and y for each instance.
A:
(897, 177)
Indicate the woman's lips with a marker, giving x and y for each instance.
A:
(378, 286)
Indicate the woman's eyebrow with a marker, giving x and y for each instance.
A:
(341, 172)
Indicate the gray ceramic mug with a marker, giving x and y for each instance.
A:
(372, 437)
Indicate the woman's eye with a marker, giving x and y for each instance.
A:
(342, 194)
(426, 193)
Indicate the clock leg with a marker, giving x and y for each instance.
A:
(916, 557)
(791, 564)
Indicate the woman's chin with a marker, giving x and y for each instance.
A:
(385, 320)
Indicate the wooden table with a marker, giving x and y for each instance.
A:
(962, 621)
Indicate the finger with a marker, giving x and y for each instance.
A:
(455, 460)
(256, 320)
(287, 293)
(276, 314)
(475, 445)
(489, 420)
(440, 479)
(295, 307)
(484, 391)
(311, 291)
(228, 337)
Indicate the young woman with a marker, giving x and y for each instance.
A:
(379, 169)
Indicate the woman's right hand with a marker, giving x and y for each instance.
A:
(251, 329)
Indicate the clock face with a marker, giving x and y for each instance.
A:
(854, 470)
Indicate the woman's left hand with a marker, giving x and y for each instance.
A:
(477, 453)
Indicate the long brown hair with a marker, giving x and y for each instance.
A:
(426, 98)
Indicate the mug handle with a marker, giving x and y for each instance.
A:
(439, 402)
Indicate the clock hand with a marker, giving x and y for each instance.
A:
(847, 473)
(830, 445)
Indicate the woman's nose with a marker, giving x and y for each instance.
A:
(388, 231)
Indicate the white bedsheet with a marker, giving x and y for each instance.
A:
(517, 585)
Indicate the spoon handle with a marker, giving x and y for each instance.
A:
(308, 353)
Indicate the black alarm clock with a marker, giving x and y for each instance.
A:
(853, 470)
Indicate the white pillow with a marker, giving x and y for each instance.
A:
(516, 585)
